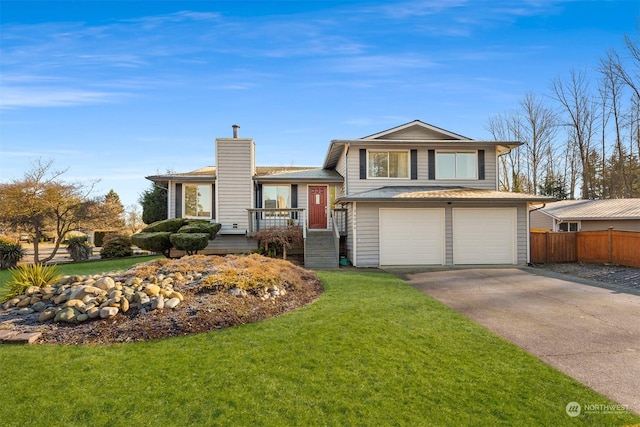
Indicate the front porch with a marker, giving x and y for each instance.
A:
(321, 247)
(281, 218)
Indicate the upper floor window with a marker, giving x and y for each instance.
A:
(388, 164)
(456, 165)
(197, 200)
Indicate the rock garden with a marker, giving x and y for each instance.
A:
(160, 299)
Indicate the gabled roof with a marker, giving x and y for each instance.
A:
(416, 129)
(594, 209)
(439, 193)
(412, 133)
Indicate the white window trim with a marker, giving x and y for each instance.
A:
(272, 214)
(558, 222)
(184, 198)
(390, 151)
(456, 152)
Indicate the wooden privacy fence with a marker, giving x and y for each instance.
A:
(601, 247)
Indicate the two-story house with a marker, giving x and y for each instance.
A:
(411, 195)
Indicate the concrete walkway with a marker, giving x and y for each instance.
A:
(590, 333)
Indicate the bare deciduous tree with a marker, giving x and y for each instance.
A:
(41, 202)
(577, 103)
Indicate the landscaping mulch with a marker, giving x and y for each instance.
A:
(197, 313)
(201, 310)
(612, 275)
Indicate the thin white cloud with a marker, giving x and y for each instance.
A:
(153, 21)
(20, 97)
(403, 10)
(382, 64)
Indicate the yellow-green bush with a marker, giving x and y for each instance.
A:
(28, 275)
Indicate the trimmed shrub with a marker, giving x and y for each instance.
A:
(200, 227)
(191, 243)
(11, 252)
(154, 242)
(79, 248)
(99, 236)
(28, 275)
(171, 225)
(116, 246)
(186, 228)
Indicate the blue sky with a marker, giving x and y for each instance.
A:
(120, 90)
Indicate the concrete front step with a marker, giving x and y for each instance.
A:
(320, 250)
(8, 336)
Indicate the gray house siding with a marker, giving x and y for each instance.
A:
(235, 161)
(171, 200)
(351, 210)
(357, 185)
(368, 232)
(627, 225)
(523, 234)
(341, 168)
(540, 221)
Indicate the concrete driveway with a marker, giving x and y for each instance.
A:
(590, 333)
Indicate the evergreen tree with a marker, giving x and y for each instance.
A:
(154, 204)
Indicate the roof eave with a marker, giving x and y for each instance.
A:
(439, 199)
(156, 178)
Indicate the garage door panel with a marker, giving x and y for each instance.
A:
(484, 236)
(411, 236)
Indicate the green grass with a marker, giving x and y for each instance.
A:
(89, 267)
(371, 351)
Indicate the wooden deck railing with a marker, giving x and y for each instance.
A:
(267, 218)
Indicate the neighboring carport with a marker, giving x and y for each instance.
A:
(590, 333)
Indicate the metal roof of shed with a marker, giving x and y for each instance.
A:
(594, 209)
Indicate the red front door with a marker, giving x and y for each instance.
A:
(317, 206)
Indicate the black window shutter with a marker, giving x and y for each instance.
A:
(480, 164)
(259, 196)
(294, 196)
(431, 155)
(178, 200)
(213, 201)
(414, 164)
(363, 163)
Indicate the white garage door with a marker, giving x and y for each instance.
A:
(411, 236)
(484, 236)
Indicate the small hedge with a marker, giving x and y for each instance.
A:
(154, 242)
(100, 236)
(191, 243)
(171, 225)
(191, 235)
(116, 246)
(199, 227)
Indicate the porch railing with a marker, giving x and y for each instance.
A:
(260, 218)
(266, 218)
(340, 220)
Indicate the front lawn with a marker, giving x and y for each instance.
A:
(371, 351)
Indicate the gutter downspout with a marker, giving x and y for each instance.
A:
(529, 232)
